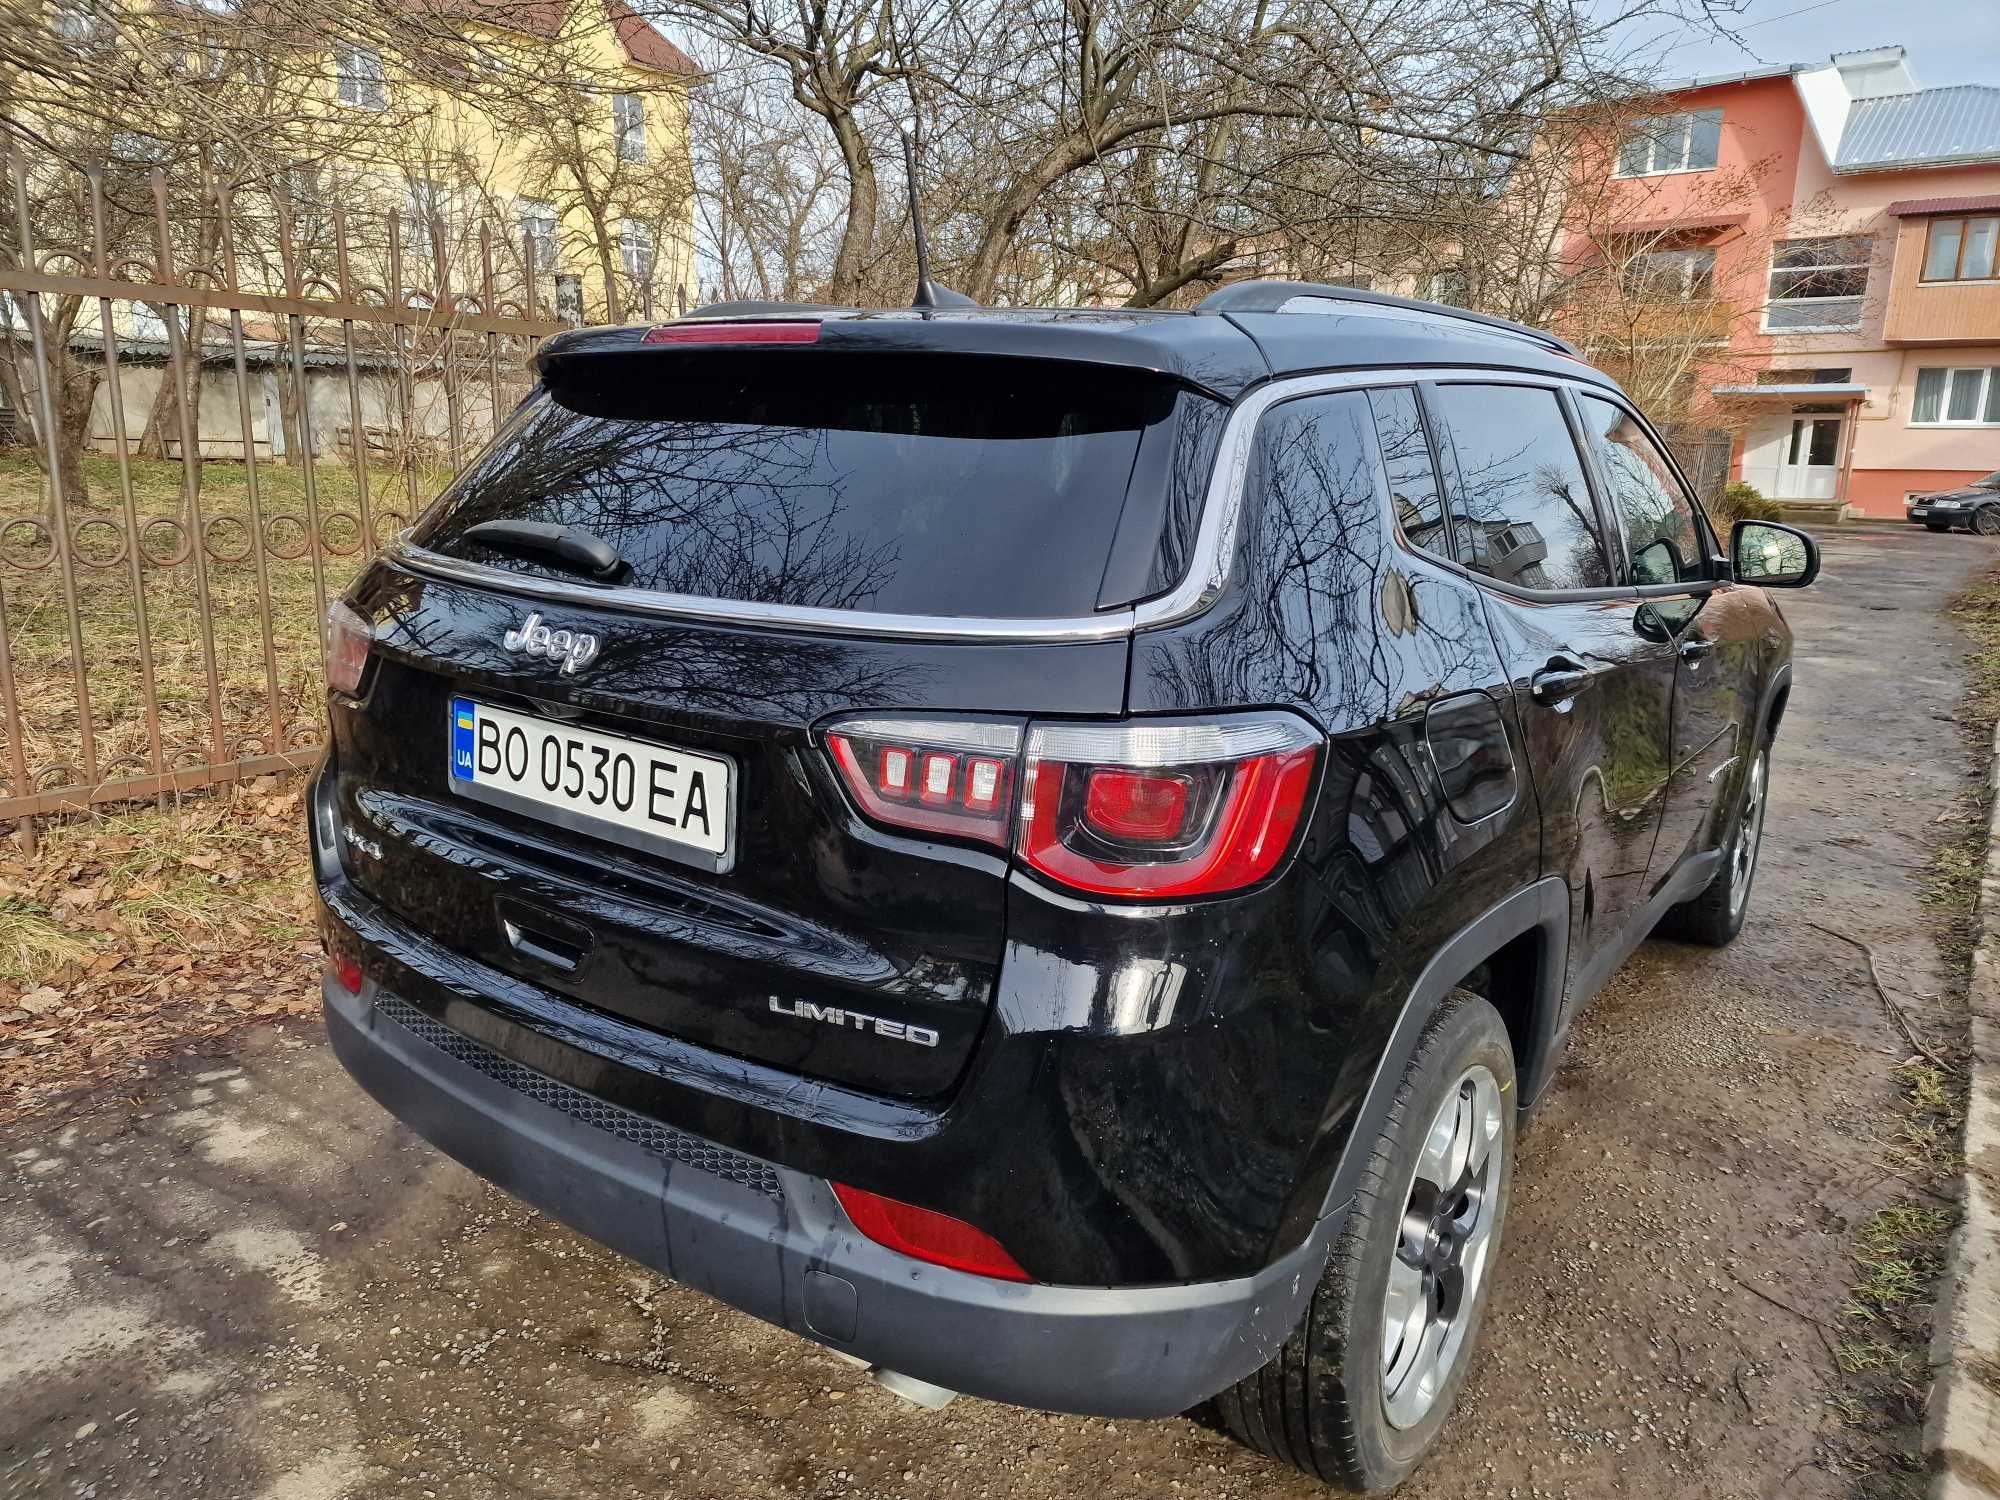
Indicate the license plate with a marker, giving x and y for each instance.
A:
(629, 791)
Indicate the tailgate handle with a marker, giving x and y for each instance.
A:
(530, 937)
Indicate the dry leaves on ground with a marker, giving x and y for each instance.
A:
(130, 936)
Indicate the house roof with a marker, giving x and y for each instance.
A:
(1929, 128)
(1906, 208)
(1716, 80)
(642, 42)
(645, 46)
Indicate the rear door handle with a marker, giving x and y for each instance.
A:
(1695, 647)
(1558, 682)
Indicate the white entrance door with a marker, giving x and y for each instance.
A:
(1809, 468)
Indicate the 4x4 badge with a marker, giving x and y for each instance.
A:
(573, 648)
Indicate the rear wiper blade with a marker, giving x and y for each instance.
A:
(570, 547)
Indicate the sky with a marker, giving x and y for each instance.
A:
(1949, 41)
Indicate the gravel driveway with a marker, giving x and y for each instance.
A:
(248, 1281)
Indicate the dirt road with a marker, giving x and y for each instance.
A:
(248, 1281)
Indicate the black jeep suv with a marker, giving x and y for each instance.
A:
(1045, 851)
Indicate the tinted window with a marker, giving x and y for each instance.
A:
(941, 487)
(1413, 482)
(1660, 527)
(1523, 510)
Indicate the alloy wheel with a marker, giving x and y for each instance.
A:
(1986, 521)
(1443, 1248)
(1749, 834)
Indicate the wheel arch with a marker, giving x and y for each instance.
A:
(1522, 945)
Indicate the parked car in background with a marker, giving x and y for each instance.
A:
(1045, 851)
(1975, 507)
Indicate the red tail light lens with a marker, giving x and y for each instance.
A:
(935, 775)
(1140, 808)
(732, 333)
(1164, 808)
(348, 638)
(346, 972)
(927, 1235)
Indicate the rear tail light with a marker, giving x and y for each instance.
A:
(927, 1234)
(936, 775)
(346, 972)
(348, 638)
(1140, 808)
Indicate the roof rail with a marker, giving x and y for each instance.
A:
(751, 309)
(1272, 296)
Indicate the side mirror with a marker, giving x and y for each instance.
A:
(1773, 556)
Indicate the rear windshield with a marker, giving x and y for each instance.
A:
(933, 486)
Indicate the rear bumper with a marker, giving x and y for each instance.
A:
(774, 1242)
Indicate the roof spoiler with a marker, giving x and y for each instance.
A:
(1276, 297)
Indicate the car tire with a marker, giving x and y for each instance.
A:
(1337, 1402)
(1986, 520)
(1937, 525)
(1713, 918)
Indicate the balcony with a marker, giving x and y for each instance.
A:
(1936, 312)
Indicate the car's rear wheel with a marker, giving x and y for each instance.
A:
(1360, 1391)
(1715, 916)
(1986, 520)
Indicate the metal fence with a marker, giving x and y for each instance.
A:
(210, 444)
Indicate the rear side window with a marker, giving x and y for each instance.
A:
(905, 485)
(1413, 481)
(1523, 510)
(1661, 532)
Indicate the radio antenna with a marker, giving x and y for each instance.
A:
(929, 293)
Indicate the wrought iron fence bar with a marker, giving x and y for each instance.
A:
(149, 691)
(58, 500)
(143, 788)
(357, 440)
(252, 489)
(295, 329)
(190, 425)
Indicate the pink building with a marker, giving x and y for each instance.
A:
(1848, 223)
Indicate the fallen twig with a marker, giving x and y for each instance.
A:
(1895, 1011)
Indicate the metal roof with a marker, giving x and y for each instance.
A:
(1716, 80)
(1905, 208)
(1932, 127)
(1845, 390)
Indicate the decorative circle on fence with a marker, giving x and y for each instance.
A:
(387, 524)
(340, 533)
(56, 777)
(224, 551)
(177, 552)
(105, 555)
(18, 551)
(286, 536)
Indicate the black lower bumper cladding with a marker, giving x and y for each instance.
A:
(775, 1243)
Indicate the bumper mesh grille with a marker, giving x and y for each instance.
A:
(649, 1135)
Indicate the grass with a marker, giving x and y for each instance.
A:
(269, 696)
(207, 878)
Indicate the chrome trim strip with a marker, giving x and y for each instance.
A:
(1110, 625)
(1207, 575)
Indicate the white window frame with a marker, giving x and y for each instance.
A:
(1655, 132)
(531, 214)
(1681, 284)
(360, 81)
(628, 126)
(1986, 375)
(1859, 299)
(636, 240)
